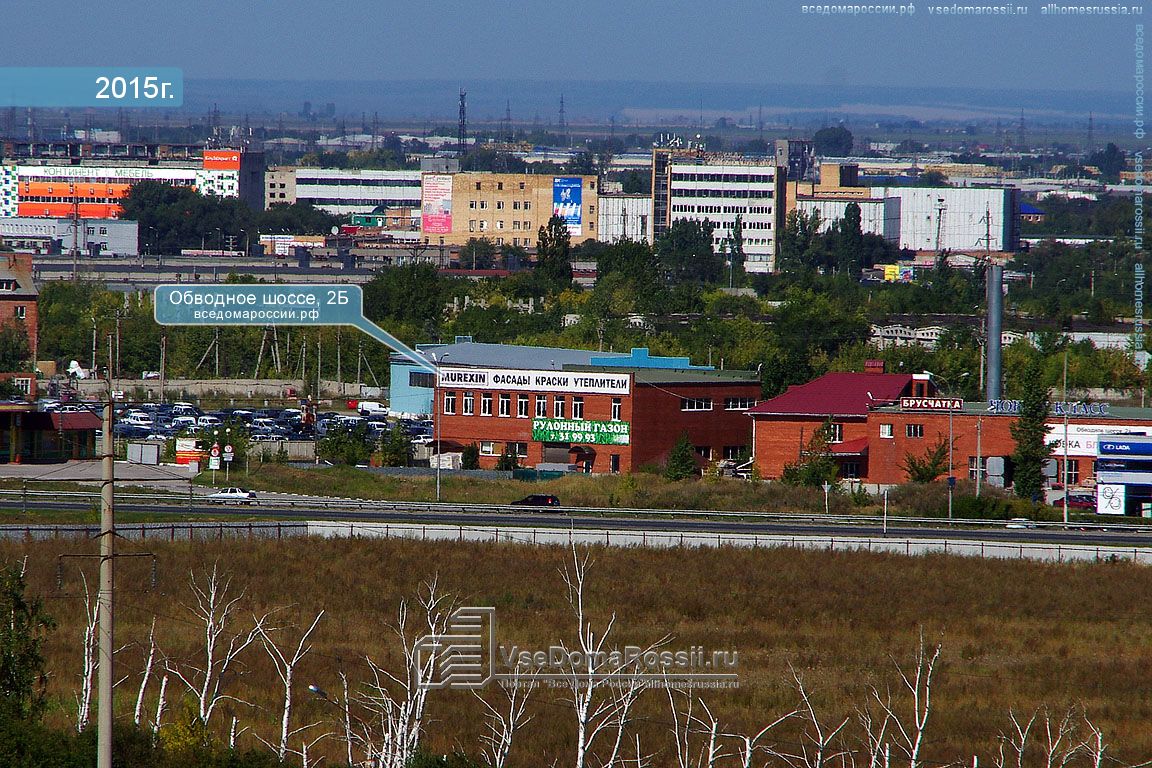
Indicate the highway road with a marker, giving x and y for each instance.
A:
(527, 517)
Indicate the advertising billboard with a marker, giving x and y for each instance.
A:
(575, 382)
(580, 431)
(436, 204)
(566, 202)
(221, 160)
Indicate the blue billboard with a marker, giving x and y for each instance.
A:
(566, 202)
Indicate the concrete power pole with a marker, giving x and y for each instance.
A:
(107, 555)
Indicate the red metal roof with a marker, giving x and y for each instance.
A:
(857, 447)
(837, 394)
(81, 420)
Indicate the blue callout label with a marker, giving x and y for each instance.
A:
(279, 304)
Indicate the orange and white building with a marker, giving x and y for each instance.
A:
(94, 189)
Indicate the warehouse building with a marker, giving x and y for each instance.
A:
(38, 235)
(575, 409)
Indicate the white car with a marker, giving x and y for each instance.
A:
(233, 496)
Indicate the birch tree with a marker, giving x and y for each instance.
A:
(216, 611)
(816, 746)
(396, 701)
(89, 657)
(908, 732)
(285, 669)
(502, 722)
(603, 685)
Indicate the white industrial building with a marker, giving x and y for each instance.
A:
(26, 234)
(877, 217)
(343, 191)
(955, 218)
(719, 188)
(625, 217)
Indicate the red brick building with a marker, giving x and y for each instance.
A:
(783, 426)
(878, 420)
(18, 295)
(600, 419)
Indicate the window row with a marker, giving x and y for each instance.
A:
(466, 402)
(517, 205)
(748, 178)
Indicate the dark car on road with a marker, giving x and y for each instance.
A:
(537, 500)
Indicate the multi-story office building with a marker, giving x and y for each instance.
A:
(506, 208)
(697, 185)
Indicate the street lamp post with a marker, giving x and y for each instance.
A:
(951, 441)
(437, 417)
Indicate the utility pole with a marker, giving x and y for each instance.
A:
(107, 555)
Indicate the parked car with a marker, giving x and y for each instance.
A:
(233, 496)
(1077, 501)
(538, 500)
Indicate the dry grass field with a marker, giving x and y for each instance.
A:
(1015, 635)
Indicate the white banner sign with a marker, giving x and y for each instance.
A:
(1110, 499)
(1082, 437)
(573, 382)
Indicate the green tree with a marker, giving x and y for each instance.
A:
(396, 448)
(932, 179)
(24, 624)
(470, 457)
(345, 445)
(815, 465)
(681, 461)
(686, 255)
(926, 468)
(412, 293)
(14, 348)
(507, 460)
(833, 142)
(478, 253)
(553, 254)
(1110, 162)
(1030, 432)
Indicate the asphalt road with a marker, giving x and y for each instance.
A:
(544, 519)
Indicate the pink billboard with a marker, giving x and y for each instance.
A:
(436, 204)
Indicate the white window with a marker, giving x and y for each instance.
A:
(558, 407)
(695, 403)
(449, 403)
(469, 403)
(914, 430)
(739, 403)
(615, 409)
(835, 433)
(520, 449)
(886, 431)
(577, 407)
(505, 405)
(522, 406)
(21, 312)
(486, 404)
(487, 448)
(541, 406)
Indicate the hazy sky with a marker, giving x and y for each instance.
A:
(721, 41)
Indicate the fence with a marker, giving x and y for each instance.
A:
(536, 536)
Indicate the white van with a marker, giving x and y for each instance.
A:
(370, 407)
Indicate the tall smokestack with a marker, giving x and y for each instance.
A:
(995, 301)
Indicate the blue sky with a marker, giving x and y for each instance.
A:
(723, 41)
(718, 42)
